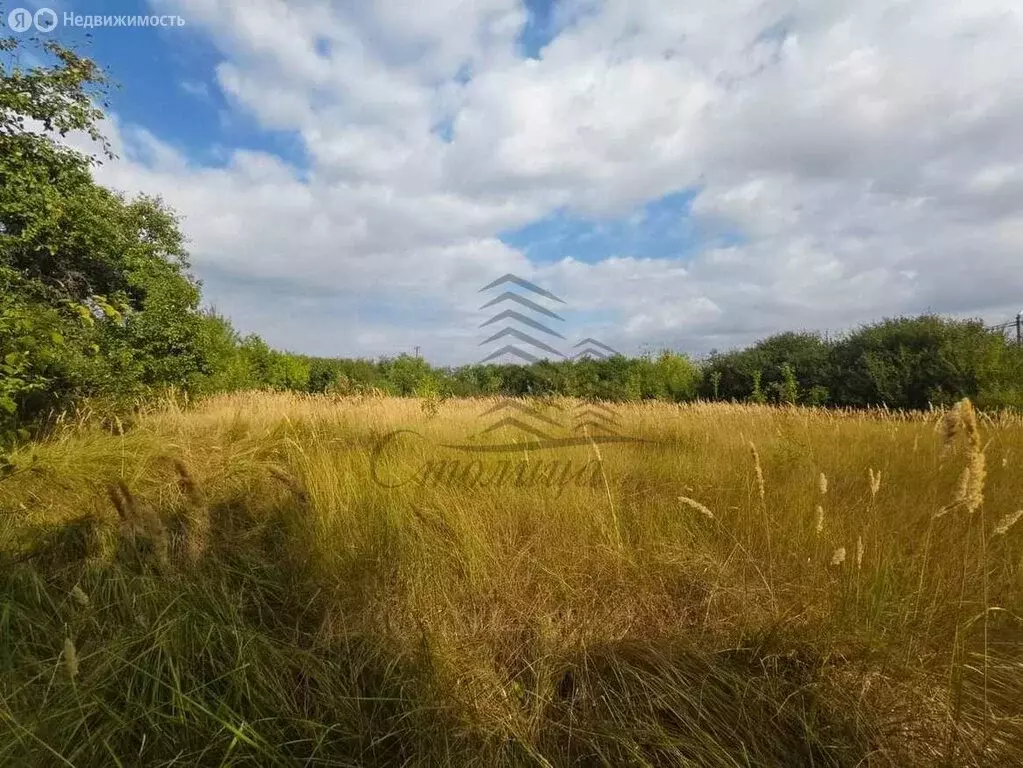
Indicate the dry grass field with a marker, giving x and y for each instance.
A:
(267, 579)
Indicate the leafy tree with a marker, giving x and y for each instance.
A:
(916, 362)
(730, 375)
(97, 299)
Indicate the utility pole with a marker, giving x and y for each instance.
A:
(1019, 328)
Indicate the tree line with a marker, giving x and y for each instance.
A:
(97, 303)
(905, 363)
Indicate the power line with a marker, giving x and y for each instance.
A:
(1012, 325)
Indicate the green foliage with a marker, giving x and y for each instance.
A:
(97, 300)
(715, 383)
(406, 373)
(730, 376)
(757, 395)
(787, 390)
(917, 362)
(901, 363)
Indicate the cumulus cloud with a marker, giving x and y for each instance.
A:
(867, 155)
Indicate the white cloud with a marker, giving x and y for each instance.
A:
(868, 153)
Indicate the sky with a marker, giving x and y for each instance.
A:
(685, 174)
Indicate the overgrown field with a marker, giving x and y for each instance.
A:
(271, 580)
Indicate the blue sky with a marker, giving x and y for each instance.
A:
(165, 77)
(660, 229)
(165, 81)
(693, 175)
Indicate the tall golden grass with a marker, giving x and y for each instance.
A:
(740, 583)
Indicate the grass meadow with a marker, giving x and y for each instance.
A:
(224, 583)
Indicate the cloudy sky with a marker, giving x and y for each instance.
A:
(684, 173)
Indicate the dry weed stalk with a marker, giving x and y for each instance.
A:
(875, 481)
(758, 471)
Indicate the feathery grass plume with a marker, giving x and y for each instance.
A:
(820, 519)
(962, 489)
(758, 470)
(186, 482)
(1007, 522)
(978, 474)
(974, 495)
(822, 484)
(70, 658)
(134, 522)
(158, 535)
(79, 596)
(694, 504)
(859, 552)
(839, 557)
(292, 484)
(123, 502)
(969, 493)
(875, 481)
(951, 425)
(197, 519)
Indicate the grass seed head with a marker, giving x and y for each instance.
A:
(79, 596)
(759, 471)
(978, 474)
(70, 658)
(187, 483)
(123, 501)
(1007, 522)
(694, 504)
(951, 426)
